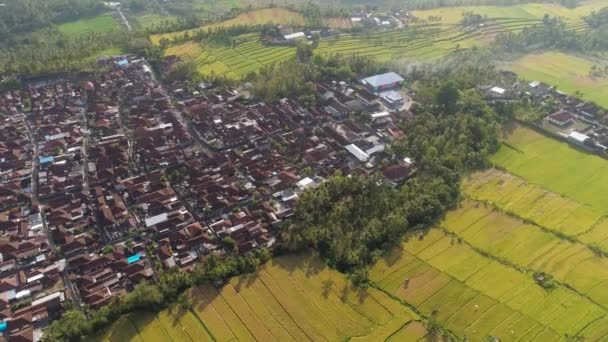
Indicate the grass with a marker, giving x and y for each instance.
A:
(101, 23)
(279, 16)
(568, 72)
(290, 298)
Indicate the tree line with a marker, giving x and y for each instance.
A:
(552, 33)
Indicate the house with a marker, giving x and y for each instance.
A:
(386, 81)
(398, 173)
(578, 138)
(392, 98)
(561, 118)
(294, 35)
(497, 91)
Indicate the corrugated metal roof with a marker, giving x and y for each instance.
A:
(383, 79)
(294, 35)
(357, 152)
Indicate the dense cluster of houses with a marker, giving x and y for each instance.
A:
(108, 180)
(572, 119)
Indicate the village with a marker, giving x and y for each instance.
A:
(571, 119)
(108, 181)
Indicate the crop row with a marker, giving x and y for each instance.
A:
(478, 296)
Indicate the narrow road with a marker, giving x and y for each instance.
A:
(36, 203)
(124, 19)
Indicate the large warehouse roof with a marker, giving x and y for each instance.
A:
(383, 79)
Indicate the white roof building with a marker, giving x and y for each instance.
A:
(294, 35)
(578, 137)
(154, 220)
(498, 90)
(357, 152)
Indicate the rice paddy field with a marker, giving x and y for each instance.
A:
(568, 72)
(416, 42)
(475, 271)
(150, 20)
(101, 23)
(554, 165)
(278, 16)
(479, 297)
(532, 202)
(453, 15)
(250, 54)
(293, 298)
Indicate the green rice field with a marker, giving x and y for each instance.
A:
(554, 165)
(250, 54)
(453, 15)
(257, 17)
(149, 20)
(101, 23)
(568, 73)
(417, 42)
(479, 297)
(294, 298)
(528, 247)
(534, 203)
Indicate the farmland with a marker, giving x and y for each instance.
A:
(452, 15)
(475, 270)
(568, 72)
(477, 296)
(415, 42)
(277, 16)
(289, 298)
(534, 203)
(554, 165)
(101, 23)
(149, 20)
(250, 54)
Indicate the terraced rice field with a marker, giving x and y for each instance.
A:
(101, 23)
(568, 72)
(250, 55)
(278, 16)
(295, 298)
(413, 43)
(529, 247)
(453, 15)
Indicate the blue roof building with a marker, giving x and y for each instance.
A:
(46, 160)
(385, 81)
(133, 258)
(122, 63)
(3, 326)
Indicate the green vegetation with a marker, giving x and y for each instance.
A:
(533, 203)
(569, 73)
(275, 16)
(100, 23)
(555, 165)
